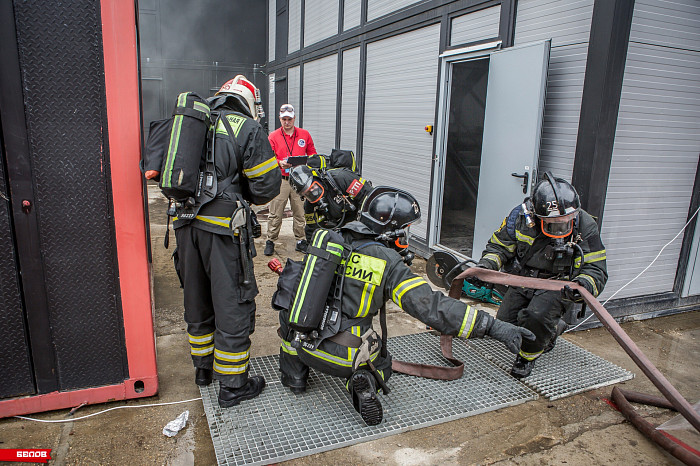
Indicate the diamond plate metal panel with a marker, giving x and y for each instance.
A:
(15, 364)
(566, 370)
(67, 132)
(279, 425)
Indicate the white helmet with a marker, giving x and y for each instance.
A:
(240, 86)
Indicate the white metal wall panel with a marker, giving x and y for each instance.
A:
(670, 23)
(350, 99)
(479, 25)
(378, 8)
(294, 90)
(272, 26)
(294, 35)
(320, 20)
(655, 157)
(568, 24)
(320, 96)
(352, 12)
(271, 110)
(396, 149)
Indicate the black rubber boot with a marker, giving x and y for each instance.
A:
(364, 397)
(229, 397)
(297, 386)
(269, 247)
(521, 367)
(202, 377)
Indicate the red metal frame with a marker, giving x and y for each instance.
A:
(124, 123)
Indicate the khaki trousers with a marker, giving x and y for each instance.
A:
(277, 205)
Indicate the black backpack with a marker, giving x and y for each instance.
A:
(338, 159)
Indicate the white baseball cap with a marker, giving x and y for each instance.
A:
(287, 110)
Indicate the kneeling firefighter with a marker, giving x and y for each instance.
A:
(332, 197)
(346, 278)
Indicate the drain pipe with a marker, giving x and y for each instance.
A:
(669, 391)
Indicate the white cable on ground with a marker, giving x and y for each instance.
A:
(110, 409)
(640, 273)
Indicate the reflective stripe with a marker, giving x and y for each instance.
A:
(232, 357)
(209, 337)
(236, 124)
(590, 280)
(199, 106)
(230, 369)
(221, 221)
(174, 141)
(203, 351)
(308, 270)
(493, 258)
(335, 359)
(366, 300)
(529, 356)
(468, 323)
(494, 239)
(261, 168)
(364, 268)
(404, 286)
(591, 257)
(287, 348)
(355, 330)
(334, 248)
(520, 237)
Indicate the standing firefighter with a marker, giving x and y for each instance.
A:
(214, 253)
(344, 343)
(563, 244)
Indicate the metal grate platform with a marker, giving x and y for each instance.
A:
(566, 370)
(279, 425)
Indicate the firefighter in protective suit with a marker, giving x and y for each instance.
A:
(211, 258)
(332, 197)
(378, 240)
(562, 244)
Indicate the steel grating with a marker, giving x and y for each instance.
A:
(279, 425)
(566, 370)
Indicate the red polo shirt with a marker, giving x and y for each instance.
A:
(299, 143)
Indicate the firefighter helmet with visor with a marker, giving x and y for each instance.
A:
(245, 90)
(557, 204)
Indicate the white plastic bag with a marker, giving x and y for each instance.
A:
(176, 425)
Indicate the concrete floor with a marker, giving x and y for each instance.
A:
(578, 430)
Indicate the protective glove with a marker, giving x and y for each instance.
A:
(509, 334)
(570, 294)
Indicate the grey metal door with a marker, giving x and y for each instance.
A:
(511, 139)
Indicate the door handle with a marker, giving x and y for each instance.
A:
(526, 177)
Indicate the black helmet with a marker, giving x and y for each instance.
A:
(556, 202)
(303, 183)
(387, 209)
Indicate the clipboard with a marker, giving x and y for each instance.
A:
(296, 160)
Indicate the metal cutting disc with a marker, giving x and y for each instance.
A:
(438, 265)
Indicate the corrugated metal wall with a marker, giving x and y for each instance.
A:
(657, 141)
(352, 13)
(271, 110)
(272, 27)
(479, 25)
(396, 150)
(320, 20)
(377, 8)
(320, 96)
(294, 37)
(350, 99)
(568, 24)
(294, 90)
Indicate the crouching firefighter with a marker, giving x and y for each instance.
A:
(332, 197)
(561, 242)
(331, 331)
(215, 244)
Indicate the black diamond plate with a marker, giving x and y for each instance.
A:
(14, 350)
(60, 52)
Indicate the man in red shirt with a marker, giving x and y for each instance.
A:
(287, 141)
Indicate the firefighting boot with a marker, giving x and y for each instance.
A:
(297, 386)
(229, 397)
(363, 387)
(522, 367)
(202, 377)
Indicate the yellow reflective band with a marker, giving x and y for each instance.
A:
(591, 258)
(261, 168)
(494, 239)
(520, 237)
(405, 286)
(310, 219)
(493, 258)
(204, 351)
(335, 248)
(232, 357)
(469, 320)
(590, 280)
(306, 277)
(209, 337)
(230, 369)
(174, 141)
(288, 348)
(529, 356)
(199, 106)
(355, 330)
(335, 359)
(221, 221)
(236, 124)
(366, 300)
(366, 269)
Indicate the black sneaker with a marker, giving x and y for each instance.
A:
(297, 386)
(302, 245)
(521, 367)
(269, 247)
(229, 397)
(202, 377)
(364, 397)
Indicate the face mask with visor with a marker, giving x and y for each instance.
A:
(559, 227)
